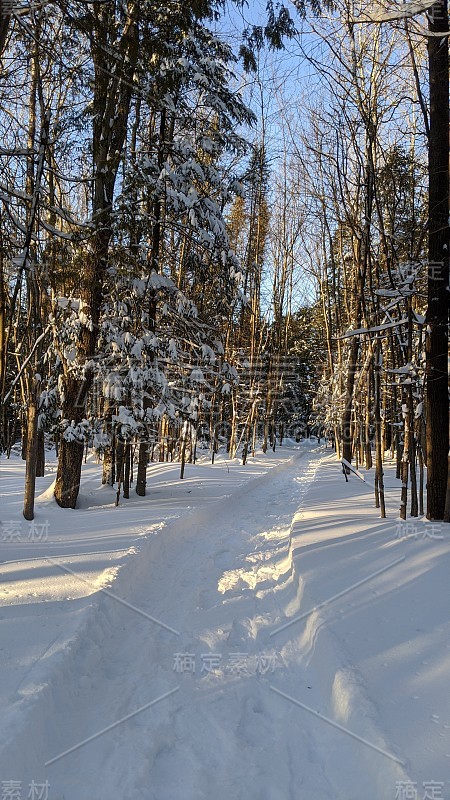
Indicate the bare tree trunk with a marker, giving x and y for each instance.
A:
(437, 413)
(3, 354)
(405, 461)
(183, 450)
(5, 19)
(421, 479)
(30, 469)
(346, 425)
(111, 104)
(126, 480)
(234, 423)
(447, 499)
(378, 437)
(120, 458)
(107, 471)
(412, 455)
(108, 452)
(141, 479)
(368, 449)
(40, 454)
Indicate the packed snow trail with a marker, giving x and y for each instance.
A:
(208, 723)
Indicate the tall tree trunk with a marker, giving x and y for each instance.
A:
(107, 472)
(40, 454)
(421, 474)
(3, 355)
(127, 475)
(378, 438)
(405, 470)
(5, 19)
(447, 499)
(183, 449)
(30, 469)
(141, 479)
(368, 448)
(437, 413)
(111, 104)
(120, 458)
(70, 457)
(108, 450)
(346, 425)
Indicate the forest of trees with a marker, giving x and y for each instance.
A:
(199, 252)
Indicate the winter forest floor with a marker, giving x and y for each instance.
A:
(249, 632)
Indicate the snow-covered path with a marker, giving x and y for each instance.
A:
(212, 578)
(193, 676)
(223, 579)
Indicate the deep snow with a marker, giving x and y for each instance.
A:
(177, 631)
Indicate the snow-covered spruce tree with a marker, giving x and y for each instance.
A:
(155, 368)
(185, 180)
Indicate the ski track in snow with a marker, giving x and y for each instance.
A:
(225, 578)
